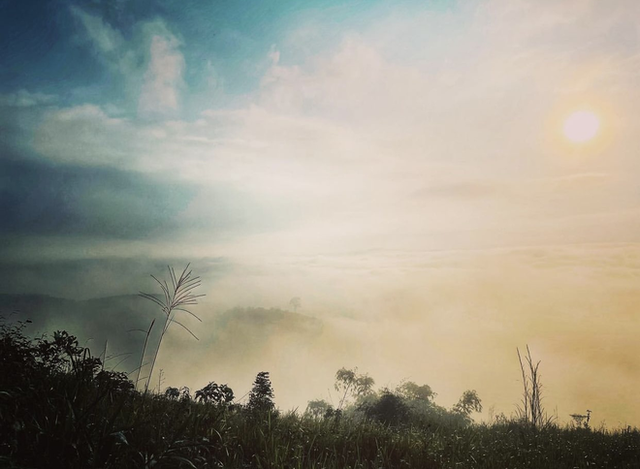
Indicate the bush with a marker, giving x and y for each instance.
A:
(57, 407)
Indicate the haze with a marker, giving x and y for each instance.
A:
(401, 168)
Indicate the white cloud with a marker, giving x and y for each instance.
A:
(105, 39)
(421, 129)
(151, 62)
(160, 93)
(85, 135)
(24, 98)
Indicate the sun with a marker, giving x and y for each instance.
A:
(581, 126)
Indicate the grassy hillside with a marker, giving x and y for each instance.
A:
(59, 407)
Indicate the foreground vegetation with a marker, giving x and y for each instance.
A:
(59, 407)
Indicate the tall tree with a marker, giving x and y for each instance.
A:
(261, 395)
(352, 384)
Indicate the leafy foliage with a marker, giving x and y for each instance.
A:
(57, 402)
(172, 393)
(219, 394)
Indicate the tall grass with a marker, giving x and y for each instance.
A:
(59, 408)
(176, 297)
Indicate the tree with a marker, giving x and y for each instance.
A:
(176, 298)
(411, 391)
(318, 408)
(219, 394)
(468, 403)
(295, 303)
(352, 384)
(261, 395)
(114, 381)
(389, 409)
(174, 393)
(185, 393)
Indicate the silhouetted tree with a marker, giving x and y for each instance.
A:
(261, 395)
(219, 394)
(114, 381)
(185, 393)
(295, 303)
(350, 383)
(412, 391)
(468, 403)
(389, 409)
(318, 408)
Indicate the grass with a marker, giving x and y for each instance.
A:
(59, 408)
(176, 297)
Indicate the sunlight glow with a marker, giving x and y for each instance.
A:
(581, 126)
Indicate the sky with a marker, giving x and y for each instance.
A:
(399, 166)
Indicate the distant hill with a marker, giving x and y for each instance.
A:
(47, 312)
(123, 321)
(269, 320)
(114, 319)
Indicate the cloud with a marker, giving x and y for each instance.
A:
(160, 93)
(24, 98)
(44, 199)
(105, 39)
(373, 178)
(467, 189)
(85, 135)
(355, 133)
(150, 62)
(578, 181)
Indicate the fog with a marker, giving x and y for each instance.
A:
(402, 169)
(452, 320)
